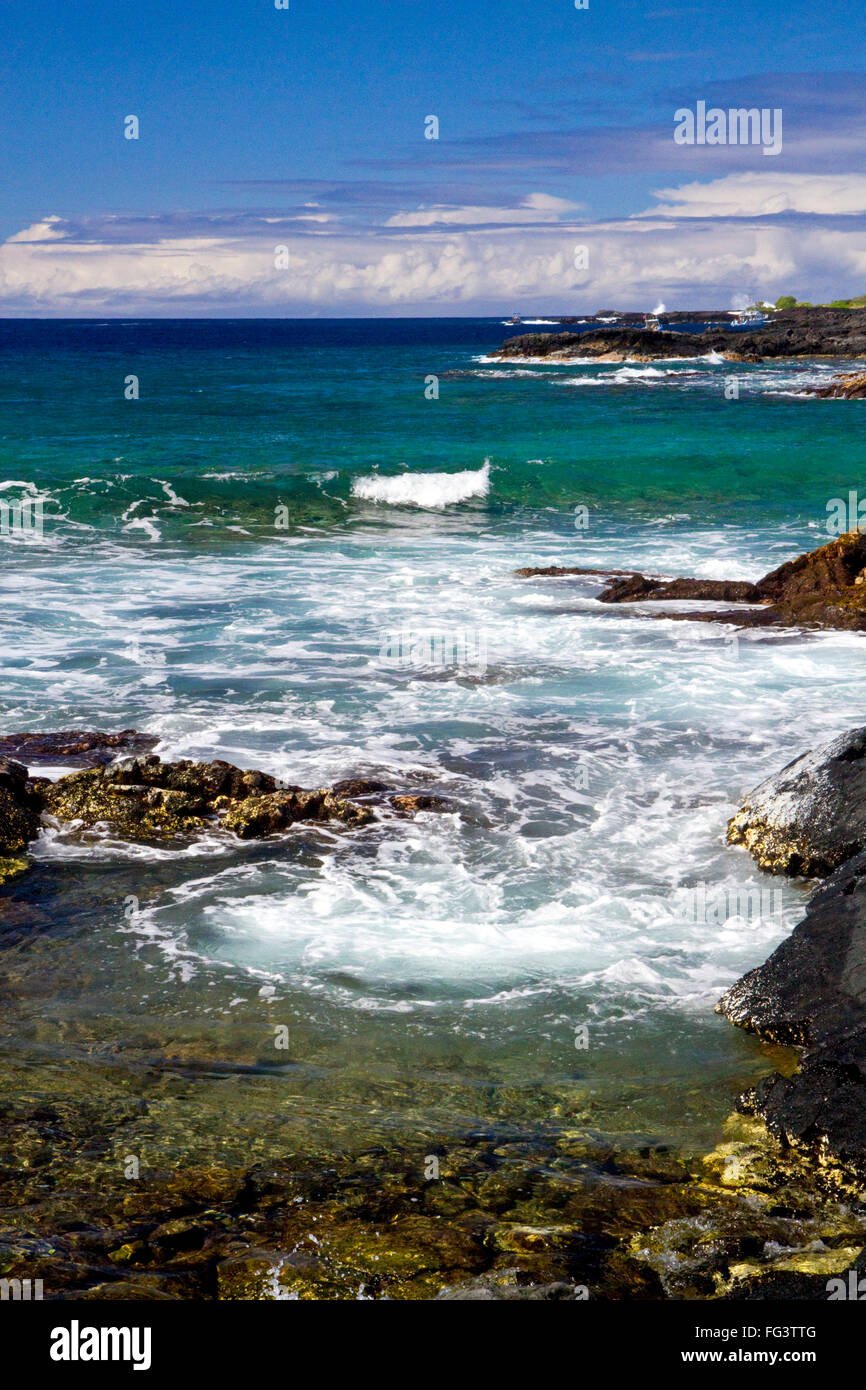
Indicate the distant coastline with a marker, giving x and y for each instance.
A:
(797, 332)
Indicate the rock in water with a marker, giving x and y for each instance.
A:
(20, 806)
(846, 388)
(146, 799)
(812, 993)
(809, 818)
(75, 747)
(813, 987)
(824, 588)
(267, 815)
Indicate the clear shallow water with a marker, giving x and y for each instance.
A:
(593, 756)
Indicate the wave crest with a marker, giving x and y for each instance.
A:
(430, 490)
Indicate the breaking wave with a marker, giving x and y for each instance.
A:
(431, 490)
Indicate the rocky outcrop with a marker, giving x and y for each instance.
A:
(145, 799)
(811, 817)
(824, 588)
(257, 816)
(790, 333)
(811, 993)
(846, 388)
(20, 806)
(607, 345)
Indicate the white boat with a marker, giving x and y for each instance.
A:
(748, 318)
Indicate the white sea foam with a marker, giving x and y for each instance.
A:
(144, 523)
(429, 490)
(573, 888)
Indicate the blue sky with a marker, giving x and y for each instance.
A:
(304, 128)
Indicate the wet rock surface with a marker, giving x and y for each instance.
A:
(811, 817)
(144, 799)
(75, 747)
(847, 388)
(811, 993)
(825, 588)
(20, 807)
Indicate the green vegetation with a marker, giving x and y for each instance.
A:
(787, 301)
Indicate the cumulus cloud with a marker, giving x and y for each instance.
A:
(538, 207)
(404, 267)
(764, 195)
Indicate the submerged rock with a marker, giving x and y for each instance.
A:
(77, 747)
(824, 588)
(809, 818)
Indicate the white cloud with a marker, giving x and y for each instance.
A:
(761, 195)
(50, 229)
(487, 270)
(537, 208)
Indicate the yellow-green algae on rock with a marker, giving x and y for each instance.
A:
(766, 1212)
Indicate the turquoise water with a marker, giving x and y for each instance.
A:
(231, 560)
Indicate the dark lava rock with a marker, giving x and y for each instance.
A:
(143, 798)
(637, 588)
(77, 747)
(810, 817)
(789, 333)
(825, 588)
(267, 815)
(813, 987)
(812, 993)
(146, 799)
(20, 806)
(610, 344)
(360, 786)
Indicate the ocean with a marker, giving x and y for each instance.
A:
(292, 545)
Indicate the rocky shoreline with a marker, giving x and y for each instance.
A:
(824, 588)
(810, 820)
(548, 1211)
(789, 333)
(142, 799)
